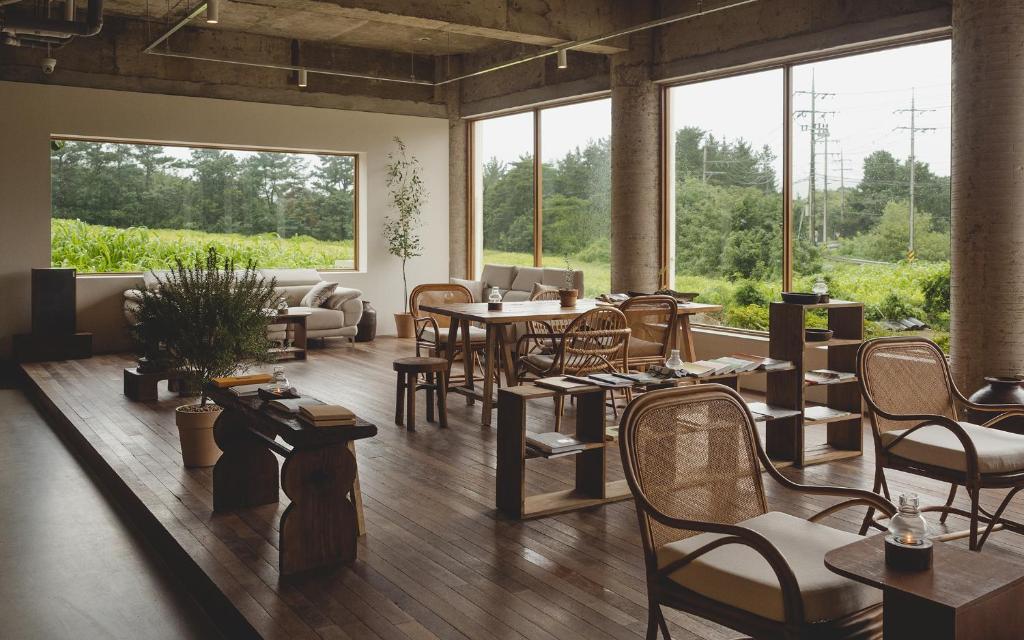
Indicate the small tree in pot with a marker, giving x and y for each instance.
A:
(406, 195)
(211, 321)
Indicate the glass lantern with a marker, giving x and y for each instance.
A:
(495, 296)
(673, 361)
(820, 288)
(908, 526)
(279, 382)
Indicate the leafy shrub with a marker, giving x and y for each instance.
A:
(749, 317)
(748, 293)
(892, 307)
(599, 250)
(936, 293)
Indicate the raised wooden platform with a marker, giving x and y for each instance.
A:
(437, 560)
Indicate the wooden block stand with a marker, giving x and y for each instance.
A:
(786, 389)
(591, 488)
(142, 387)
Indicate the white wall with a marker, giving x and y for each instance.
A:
(31, 113)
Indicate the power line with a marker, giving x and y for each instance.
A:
(816, 130)
(913, 128)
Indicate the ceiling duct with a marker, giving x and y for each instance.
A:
(55, 31)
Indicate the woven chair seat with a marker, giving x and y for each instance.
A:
(739, 576)
(998, 451)
(476, 334)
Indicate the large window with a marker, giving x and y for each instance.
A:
(121, 207)
(574, 189)
(870, 205)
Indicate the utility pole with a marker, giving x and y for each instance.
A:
(704, 173)
(824, 208)
(843, 168)
(816, 130)
(913, 128)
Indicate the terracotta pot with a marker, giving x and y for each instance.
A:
(404, 326)
(998, 391)
(568, 297)
(195, 431)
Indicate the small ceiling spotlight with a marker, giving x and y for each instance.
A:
(303, 78)
(213, 11)
(563, 59)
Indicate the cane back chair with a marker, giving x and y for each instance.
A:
(653, 324)
(432, 329)
(915, 412)
(542, 336)
(712, 547)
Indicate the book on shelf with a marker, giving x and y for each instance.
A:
(227, 382)
(824, 413)
(609, 382)
(561, 383)
(326, 415)
(327, 423)
(245, 389)
(699, 369)
(771, 411)
(553, 442)
(291, 405)
(719, 366)
(740, 365)
(828, 376)
(765, 363)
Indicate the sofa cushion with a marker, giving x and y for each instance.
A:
(133, 295)
(739, 576)
(512, 295)
(639, 348)
(318, 294)
(556, 278)
(291, 277)
(342, 295)
(151, 279)
(293, 294)
(476, 287)
(539, 288)
(998, 451)
(498, 275)
(321, 319)
(526, 277)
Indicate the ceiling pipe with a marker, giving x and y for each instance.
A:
(57, 28)
(69, 10)
(554, 51)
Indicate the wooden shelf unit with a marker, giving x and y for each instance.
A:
(784, 437)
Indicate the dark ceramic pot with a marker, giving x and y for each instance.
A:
(999, 391)
(367, 325)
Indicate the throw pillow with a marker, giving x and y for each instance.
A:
(318, 294)
(541, 288)
(476, 287)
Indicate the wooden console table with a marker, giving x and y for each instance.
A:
(294, 319)
(964, 596)
(319, 475)
(591, 486)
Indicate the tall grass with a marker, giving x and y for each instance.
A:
(92, 248)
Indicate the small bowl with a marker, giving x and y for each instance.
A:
(817, 335)
(793, 297)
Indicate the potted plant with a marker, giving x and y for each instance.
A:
(568, 293)
(406, 195)
(210, 321)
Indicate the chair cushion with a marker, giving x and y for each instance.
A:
(998, 451)
(526, 277)
(540, 361)
(476, 287)
(476, 334)
(644, 348)
(318, 294)
(739, 576)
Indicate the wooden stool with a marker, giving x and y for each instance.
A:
(435, 372)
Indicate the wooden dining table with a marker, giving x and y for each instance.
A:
(499, 342)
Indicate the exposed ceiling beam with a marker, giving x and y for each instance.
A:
(504, 20)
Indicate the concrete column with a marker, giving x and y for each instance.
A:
(987, 287)
(458, 196)
(636, 173)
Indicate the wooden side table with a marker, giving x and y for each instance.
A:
(964, 596)
(295, 320)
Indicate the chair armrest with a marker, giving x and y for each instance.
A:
(922, 420)
(537, 337)
(422, 324)
(1004, 411)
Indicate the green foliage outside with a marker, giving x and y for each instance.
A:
(94, 248)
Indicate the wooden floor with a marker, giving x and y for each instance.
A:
(437, 561)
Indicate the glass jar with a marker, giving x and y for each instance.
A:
(673, 361)
(495, 296)
(279, 382)
(820, 287)
(908, 526)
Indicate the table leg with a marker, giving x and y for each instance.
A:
(508, 362)
(489, 369)
(442, 398)
(453, 332)
(686, 339)
(246, 473)
(357, 493)
(467, 360)
(320, 526)
(299, 338)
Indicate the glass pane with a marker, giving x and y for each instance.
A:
(873, 225)
(727, 144)
(575, 150)
(134, 207)
(504, 189)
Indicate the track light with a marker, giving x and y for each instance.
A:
(563, 59)
(213, 11)
(303, 78)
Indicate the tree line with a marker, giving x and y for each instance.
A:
(137, 185)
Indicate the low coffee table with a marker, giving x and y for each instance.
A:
(293, 318)
(965, 595)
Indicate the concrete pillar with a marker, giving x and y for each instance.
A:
(458, 196)
(987, 286)
(636, 173)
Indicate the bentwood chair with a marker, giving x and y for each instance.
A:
(712, 547)
(653, 324)
(915, 413)
(596, 341)
(432, 329)
(542, 336)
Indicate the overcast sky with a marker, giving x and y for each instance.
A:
(867, 90)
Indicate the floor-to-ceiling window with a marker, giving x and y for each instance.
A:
(571, 200)
(726, 146)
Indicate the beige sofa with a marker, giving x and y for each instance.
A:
(336, 318)
(516, 283)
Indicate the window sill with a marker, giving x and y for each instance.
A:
(730, 331)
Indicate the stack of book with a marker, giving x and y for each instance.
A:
(828, 376)
(552, 443)
(326, 415)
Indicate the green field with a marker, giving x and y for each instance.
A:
(94, 248)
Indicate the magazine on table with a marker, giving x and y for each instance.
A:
(553, 442)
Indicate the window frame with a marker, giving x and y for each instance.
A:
(356, 162)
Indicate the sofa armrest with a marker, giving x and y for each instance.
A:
(353, 310)
(340, 296)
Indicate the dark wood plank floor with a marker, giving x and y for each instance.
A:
(437, 561)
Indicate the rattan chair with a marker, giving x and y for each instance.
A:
(693, 461)
(914, 408)
(653, 324)
(432, 329)
(542, 336)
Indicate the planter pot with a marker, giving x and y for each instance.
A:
(404, 325)
(568, 297)
(195, 431)
(366, 329)
(999, 391)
